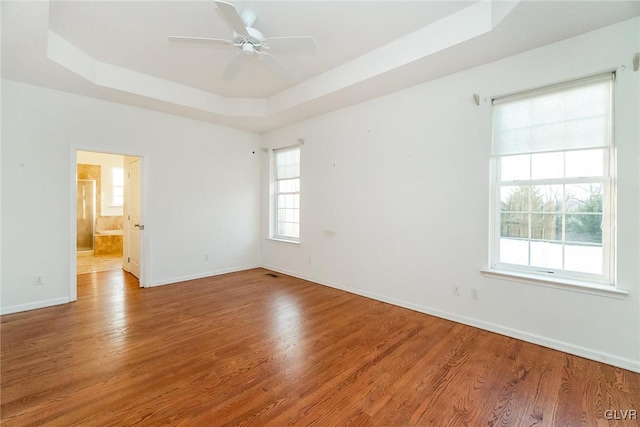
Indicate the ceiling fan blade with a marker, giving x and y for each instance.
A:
(201, 41)
(234, 66)
(277, 67)
(232, 17)
(300, 45)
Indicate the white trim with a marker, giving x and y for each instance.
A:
(275, 239)
(591, 288)
(34, 305)
(610, 359)
(177, 280)
(73, 230)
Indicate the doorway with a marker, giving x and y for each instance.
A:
(108, 186)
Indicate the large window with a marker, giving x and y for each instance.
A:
(553, 193)
(286, 213)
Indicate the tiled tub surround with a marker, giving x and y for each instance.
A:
(108, 242)
(108, 236)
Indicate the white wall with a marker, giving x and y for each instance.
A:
(107, 163)
(395, 202)
(201, 190)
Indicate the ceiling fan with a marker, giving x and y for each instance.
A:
(252, 43)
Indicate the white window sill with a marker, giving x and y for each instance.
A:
(275, 239)
(609, 291)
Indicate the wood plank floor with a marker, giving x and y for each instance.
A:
(251, 349)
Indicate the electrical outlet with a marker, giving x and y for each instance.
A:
(456, 290)
(206, 257)
(474, 294)
(39, 280)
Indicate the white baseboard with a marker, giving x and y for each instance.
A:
(201, 275)
(33, 305)
(609, 359)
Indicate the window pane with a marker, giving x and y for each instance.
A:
(547, 255)
(546, 227)
(584, 259)
(292, 230)
(583, 198)
(584, 163)
(546, 198)
(288, 171)
(287, 163)
(288, 185)
(547, 165)
(583, 228)
(514, 251)
(117, 175)
(514, 198)
(514, 168)
(514, 225)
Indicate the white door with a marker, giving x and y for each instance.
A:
(133, 218)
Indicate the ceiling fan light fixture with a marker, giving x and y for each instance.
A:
(247, 49)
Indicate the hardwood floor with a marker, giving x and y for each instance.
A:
(251, 349)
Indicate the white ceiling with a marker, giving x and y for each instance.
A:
(118, 50)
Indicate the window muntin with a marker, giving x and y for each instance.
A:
(286, 213)
(552, 193)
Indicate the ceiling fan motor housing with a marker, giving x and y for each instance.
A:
(254, 40)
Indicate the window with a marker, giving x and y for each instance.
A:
(286, 213)
(553, 193)
(117, 175)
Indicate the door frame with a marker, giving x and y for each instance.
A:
(144, 237)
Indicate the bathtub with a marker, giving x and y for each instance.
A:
(108, 233)
(107, 242)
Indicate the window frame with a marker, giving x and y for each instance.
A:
(606, 280)
(273, 234)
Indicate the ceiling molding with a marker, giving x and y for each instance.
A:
(468, 23)
(122, 79)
